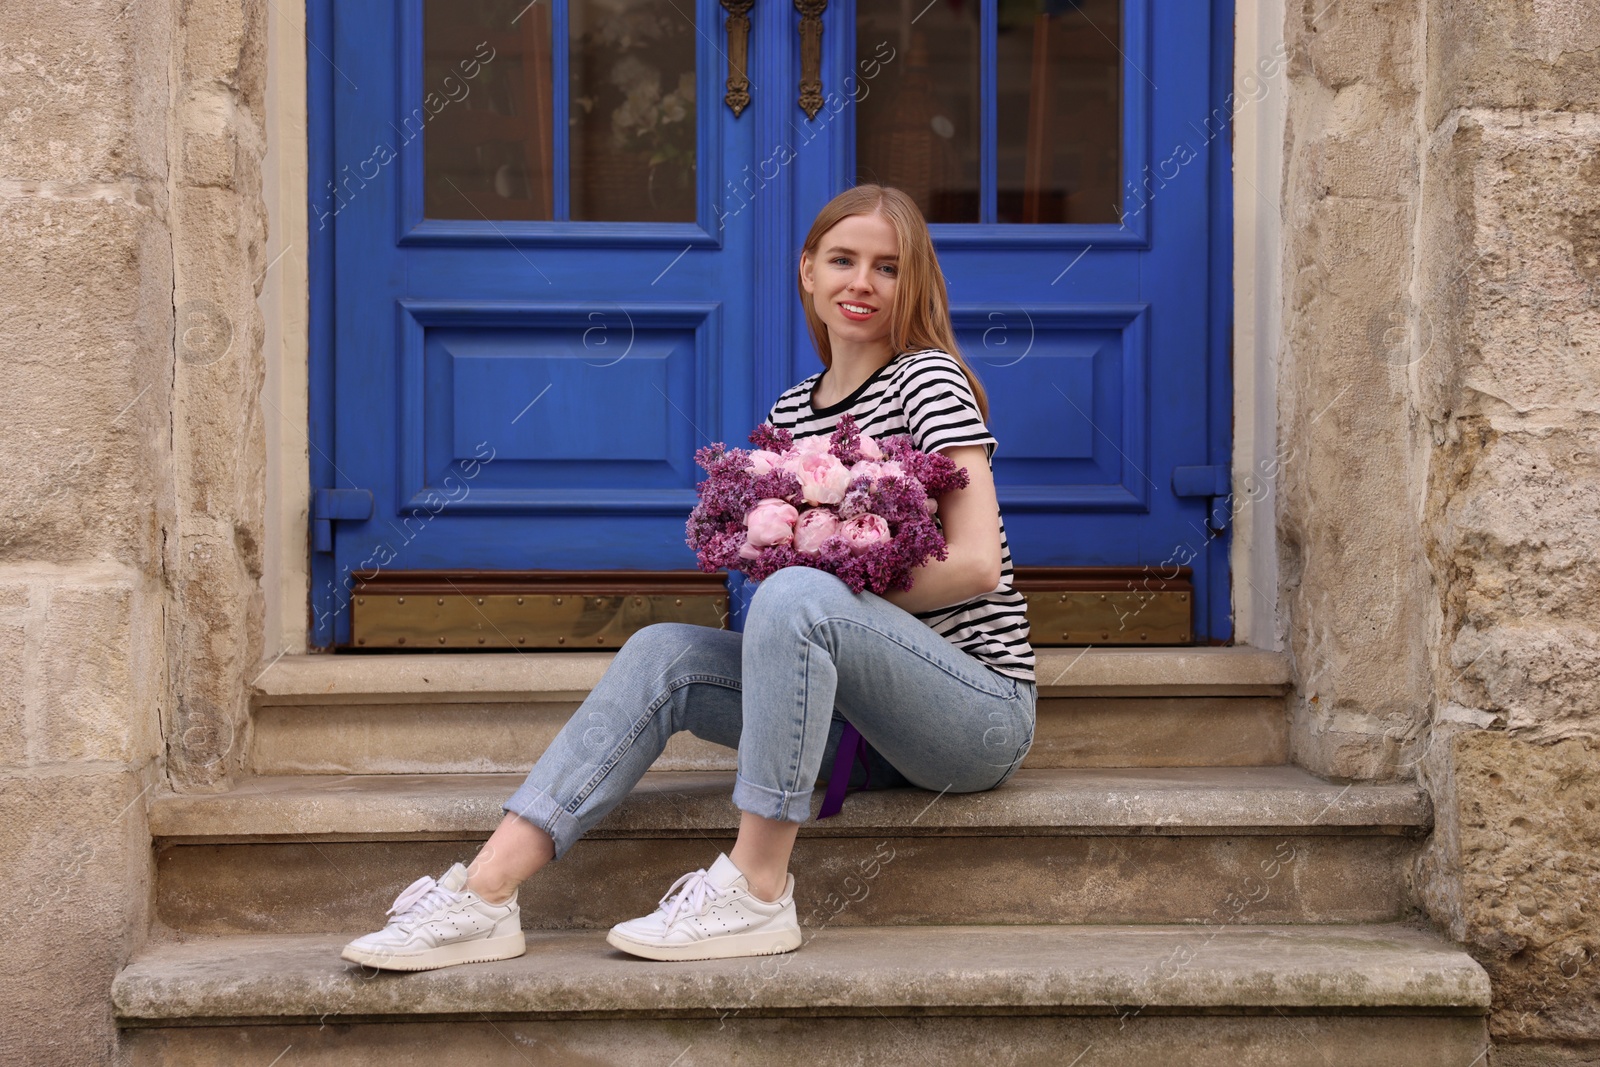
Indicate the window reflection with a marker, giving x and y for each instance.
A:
(1059, 123)
(917, 119)
(486, 138)
(632, 110)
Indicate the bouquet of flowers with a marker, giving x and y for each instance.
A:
(860, 509)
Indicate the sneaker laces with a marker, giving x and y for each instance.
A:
(419, 899)
(693, 891)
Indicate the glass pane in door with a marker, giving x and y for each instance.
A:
(1058, 127)
(485, 110)
(632, 114)
(917, 118)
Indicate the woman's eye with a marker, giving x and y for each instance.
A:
(840, 259)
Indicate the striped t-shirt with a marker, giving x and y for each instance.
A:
(925, 395)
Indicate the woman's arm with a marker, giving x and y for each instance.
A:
(971, 520)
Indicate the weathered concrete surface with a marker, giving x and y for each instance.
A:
(493, 738)
(844, 971)
(1157, 800)
(1266, 844)
(1514, 871)
(1354, 581)
(568, 676)
(888, 878)
(988, 1040)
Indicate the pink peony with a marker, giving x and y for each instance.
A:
(814, 527)
(864, 531)
(770, 522)
(867, 467)
(823, 479)
(762, 462)
(932, 505)
(891, 468)
(812, 446)
(870, 449)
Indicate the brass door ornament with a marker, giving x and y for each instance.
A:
(811, 54)
(738, 28)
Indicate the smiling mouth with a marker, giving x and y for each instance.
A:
(856, 311)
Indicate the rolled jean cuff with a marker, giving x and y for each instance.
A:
(537, 807)
(771, 803)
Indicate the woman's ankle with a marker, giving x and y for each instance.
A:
(493, 890)
(768, 893)
(765, 885)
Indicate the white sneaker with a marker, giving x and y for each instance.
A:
(439, 923)
(712, 916)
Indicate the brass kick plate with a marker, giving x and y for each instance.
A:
(521, 620)
(463, 611)
(1108, 618)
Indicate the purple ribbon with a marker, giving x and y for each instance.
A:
(852, 746)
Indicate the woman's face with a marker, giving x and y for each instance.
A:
(852, 278)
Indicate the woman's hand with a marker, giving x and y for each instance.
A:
(971, 521)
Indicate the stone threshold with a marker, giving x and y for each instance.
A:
(872, 971)
(1166, 801)
(567, 676)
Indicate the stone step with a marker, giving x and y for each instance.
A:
(475, 714)
(1258, 844)
(1223, 996)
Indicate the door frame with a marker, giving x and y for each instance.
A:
(1243, 346)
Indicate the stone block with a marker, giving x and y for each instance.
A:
(1521, 531)
(208, 157)
(1528, 302)
(1512, 55)
(1353, 563)
(83, 96)
(1344, 44)
(1546, 1054)
(1515, 878)
(14, 660)
(86, 332)
(92, 705)
(77, 860)
(1364, 146)
(224, 43)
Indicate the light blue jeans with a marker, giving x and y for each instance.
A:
(812, 651)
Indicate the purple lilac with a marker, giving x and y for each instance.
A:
(716, 527)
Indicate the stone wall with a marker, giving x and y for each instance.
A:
(129, 202)
(1354, 581)
(1440, 512)
(1510, 389)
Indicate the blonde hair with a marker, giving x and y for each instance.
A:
(920, 317)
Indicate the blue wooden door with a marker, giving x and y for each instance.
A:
(550, 261)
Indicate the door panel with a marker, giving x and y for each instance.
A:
(522, 374)
(557, 263)
(1080, 277)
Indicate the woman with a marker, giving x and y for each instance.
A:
(937, 679)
